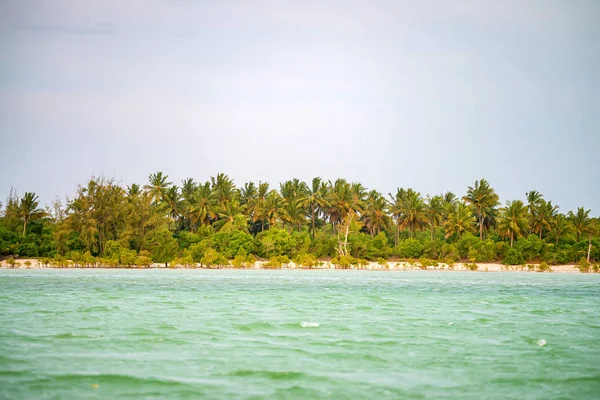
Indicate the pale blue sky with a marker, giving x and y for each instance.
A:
(388, 93)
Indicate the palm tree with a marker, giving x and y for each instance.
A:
(223, 188)
(315, 201)
(413, 212)
(544, 216)
(375, 216)
(272, 208)
(560, 227)
(203, 208)
(533, 201)
(339, 201)
(513, 220)
(482, 198)
(435, 211)
(580, 221)
(396, 209)
(174, 202)
(292, 213)
(157, 186)
(260, 208)
(460, 220)
(232, 215)
(27, 209)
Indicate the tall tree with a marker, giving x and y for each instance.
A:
(533, 201)
(27, 209)
(482, 198)
(316, 201)
(157, 186)
(460, 220)
(375, 216)
(513, 220)
(414, 214)
(435, 213)
(580, 221)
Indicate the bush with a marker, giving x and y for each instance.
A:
(276, 262)
(450, 253)
(11, 262)
(242, 260)
(584, 266)
(275, 242)
(530, 267)
(27, 263)
(89, 259)
(513, 257)
(143, 261)
(344, 262)
(425, 262)
(186, 261)
(471, 266)
(544, 267)
(306, 260)
(213, 258)
(127, 257)
(410, 248)
(383, 262)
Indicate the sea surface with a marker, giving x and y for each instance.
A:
(224, 334)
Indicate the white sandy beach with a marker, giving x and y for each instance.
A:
(391, 266)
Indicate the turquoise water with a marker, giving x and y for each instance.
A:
(217, 334)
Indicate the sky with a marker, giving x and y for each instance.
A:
(428, 95)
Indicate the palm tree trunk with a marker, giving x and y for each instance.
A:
(24, 226)
(312, 211)
(511, 239)
(480, 227)
(589, 248)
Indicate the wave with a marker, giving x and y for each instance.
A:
(276, 375)
(114, 379)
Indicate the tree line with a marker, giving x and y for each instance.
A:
(216, 221)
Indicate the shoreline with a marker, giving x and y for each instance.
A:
(327, 266)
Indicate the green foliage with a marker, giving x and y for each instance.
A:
(127, 257)
(544, 267)
(109, 224)
(230, 242)
(584, 266)
(471, 266)
(143, 259)
(323, 245)
(77, 258)
(197, 250)
(306, 260)
(89, 259)
(276, 262)
(11, 262)
(243, 260)
(424, 263)
(450, 253)
(383, 262)
(212, 258)
(344, 262)
(411, 248)
(162, 246)
(513, 257)
(275, 242)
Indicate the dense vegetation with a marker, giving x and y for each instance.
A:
(216, 222)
